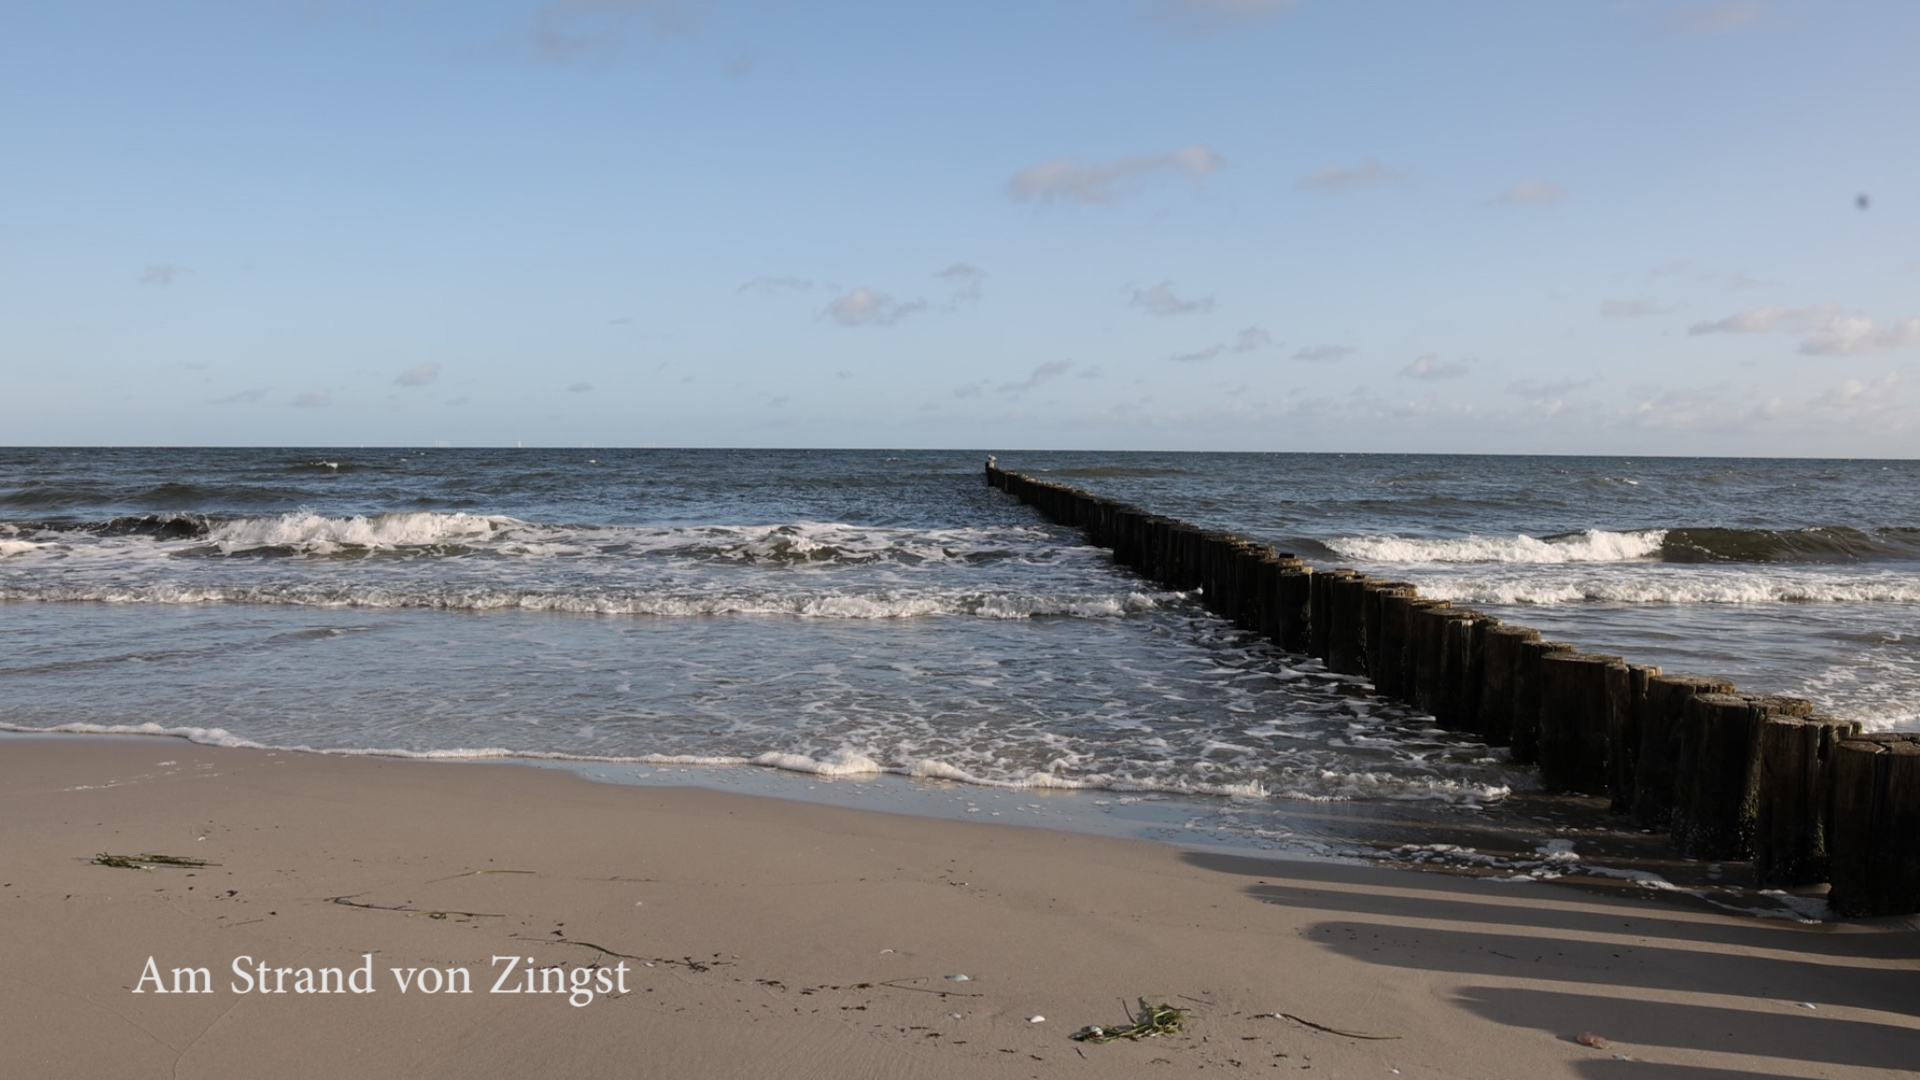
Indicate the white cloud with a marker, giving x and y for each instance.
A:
(1854, 404)
(418, 376)
(1429, 366)
(1337, 179)
(1042, 375)
(1161, 300)
(1856, 336)
(1630, 309)
(1075, 181)
(163, 275)
(1829, 330)
(1531, 193)
(1209, 14)
(866, 307)
(564, 31)
(1853, 393)
(1252, 338)
(312, 399)
(1758, 320)
(1314, 354)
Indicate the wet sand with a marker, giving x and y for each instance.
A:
(775, 938)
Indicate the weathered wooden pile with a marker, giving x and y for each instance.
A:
(1730, 776)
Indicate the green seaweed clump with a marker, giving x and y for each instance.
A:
(1152, 1020)
(145, 862)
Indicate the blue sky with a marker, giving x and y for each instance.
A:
(1568, 227)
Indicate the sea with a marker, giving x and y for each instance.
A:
(865, 615)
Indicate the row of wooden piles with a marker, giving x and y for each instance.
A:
(1729, 776)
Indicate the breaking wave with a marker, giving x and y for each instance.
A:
(1676, 545)
(1674, 589)
(304, 534)
(1593, 545)
(816, 605)
(1317, 785)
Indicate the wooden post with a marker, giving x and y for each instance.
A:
(1426, 634)
(1294, 592)
(1623, 738)
(1218, 570)
(1183, 545)
(1716, 796)
(1266, 610)
(1372, 612)
(1153, 540)
(1654, 767)
(1875, 841)
(1320, 614)
(1790, 829)
(1462, 659)
(1387, 663)
(1710, 777)
(1527, 697)
(1347, 625)
(1247, 605)
(1578, 693)
(1499, 661)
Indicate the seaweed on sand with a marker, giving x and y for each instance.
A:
(1151, 1020)
(146, 862)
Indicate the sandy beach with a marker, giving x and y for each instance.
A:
(759, 937)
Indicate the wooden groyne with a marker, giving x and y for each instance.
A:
(1729, 776)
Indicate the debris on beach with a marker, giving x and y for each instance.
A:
(1152, 1020)
(146, 862)
(411, 912)
(1588, 1038)
(1325, 1028)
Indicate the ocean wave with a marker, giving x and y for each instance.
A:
(1676, 545)
(1820, 544)
(1317, 786)
(317, 534)
(1673, 589)
(977, 604)
(1594, 545)
(420, 534)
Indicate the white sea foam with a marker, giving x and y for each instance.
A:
(1678, 588)
(984, 605)
(315, 533)
(16, 547)
(838, 763)
(1594, 545)
(1325, 786)
(304, 533)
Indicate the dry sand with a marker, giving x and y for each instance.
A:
(766, 938)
